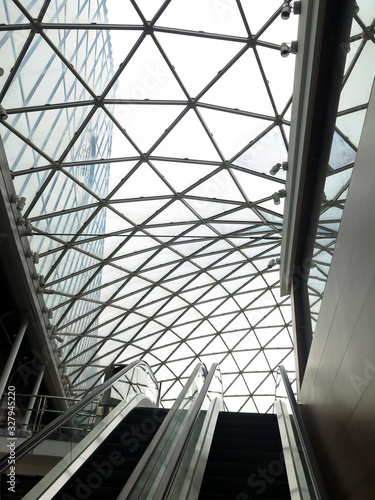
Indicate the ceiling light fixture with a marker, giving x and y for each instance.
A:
(286, 49)
(277, 196)
(276, 168)
(3, 113)
(286, 9)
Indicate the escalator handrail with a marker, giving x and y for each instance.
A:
(50, 428)
(308, 453)
(169, 474)
(132, 481)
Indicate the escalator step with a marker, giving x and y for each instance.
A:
(240, 470)
(245, 444)
(104, 474)
(247, 433)
(245, 460)
(254, 486)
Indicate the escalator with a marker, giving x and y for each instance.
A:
(192, 451)
(105, 472)
(245, 459)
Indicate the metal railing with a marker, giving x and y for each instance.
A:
(57, 423)
(304, 477)
(154, 477)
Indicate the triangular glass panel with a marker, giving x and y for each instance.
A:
(273, 218)
(142, 183)
(351, 125)
(139, 248)
(274, 65)
(183, 352)
(335, 183)
(271, 206)
(83, 12)
(254, 380)
(242, 87)
(175, 212)
(289, 363)
(282, 339)
(220, 322)
(139, 211)
(184, 268)
(61, 281)
(147, 76)
(101, 139)
(72, 195)
(189, 140)
(250, 342)
(119, 171)
(28, 185)
(203, 261)
(64, 226)
(232, 131)
(256, 188)
(146, 123)
(21, 156)
(265, 153)
(356, 47)
(276, 356)
(357, 88)
(366, 12)
(50, 130)
(341, 153)
(197, 59)
(44, 79)
(257, 17)
(235, 403)
(249, 406)
(46, 262)
(33, 7)
(158, 273)
(220, 273)
(183, 175)
(80, 49)
(229, 365)
(207, 308)
(149, 7)
(220, 185)
(43, 244)
(276, 32)
(235, 285)
(208, 209)
(134, 261)
(164, 257)
(197, 345)
(204, 15)
(259, 364)
(264, 403)
(11, 45)
(237, 388)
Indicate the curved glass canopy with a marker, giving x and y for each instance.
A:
(142, 134)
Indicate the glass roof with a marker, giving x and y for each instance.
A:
(357, 83)
(142, 137)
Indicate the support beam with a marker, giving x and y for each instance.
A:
(323, 42)
(12, 355)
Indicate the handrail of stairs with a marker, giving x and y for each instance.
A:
(50, 428)
(316, 487)
(138, 484)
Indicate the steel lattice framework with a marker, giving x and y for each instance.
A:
(142, 136)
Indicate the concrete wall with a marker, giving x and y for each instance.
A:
(338, 391)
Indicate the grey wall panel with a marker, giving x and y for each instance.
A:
(338, 391)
